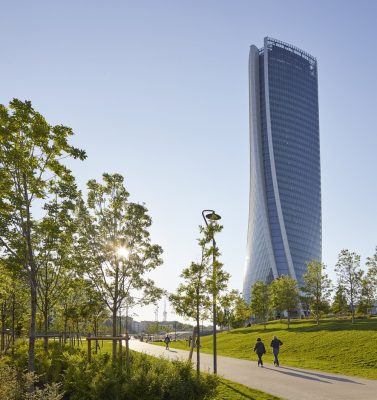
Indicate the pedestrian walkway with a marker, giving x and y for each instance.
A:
(286, 382)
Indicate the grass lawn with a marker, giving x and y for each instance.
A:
(228, 390)
(333, 346)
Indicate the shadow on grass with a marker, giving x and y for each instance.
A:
(330, 377)
(297, 375)
(246, 396)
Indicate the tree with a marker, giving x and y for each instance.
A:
(154, 329)
(240, 312)
(217, 278)
(31, 171)
(340, 303)
(260, 302)
(372, 272)
(350, 277)
(202, 284)
(70, 304)
(109, 227)
(55, 256)
(13, 302)
(284, 295)
(234, 311)
(5, 287)
(317, 287)
(367, 298)
(191, 298)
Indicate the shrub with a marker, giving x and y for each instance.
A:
(15, 385)
(146, 378)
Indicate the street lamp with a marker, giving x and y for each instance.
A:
(212, 216)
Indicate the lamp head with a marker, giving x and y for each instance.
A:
(213, 216)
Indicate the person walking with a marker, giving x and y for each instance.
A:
(167, 341)
(275, 344)
(260, 350)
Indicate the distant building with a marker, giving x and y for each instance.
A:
(135, 327)
(284, 229)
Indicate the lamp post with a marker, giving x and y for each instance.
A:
(212, 216)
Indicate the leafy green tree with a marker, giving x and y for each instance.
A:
(340, 302)
(217, 277)
(317, 287)
(350, 277)
(284, 295)
(203, 282)
(192, 299)
(367, 298)
(70, 304)
(5, 299)
(94, 309)
(154, 329)
(372, 272)
(109, 226)
(239, 312)
(260, 301)
(13, 302)
(233, 310)
(55, 257)
(31, 172)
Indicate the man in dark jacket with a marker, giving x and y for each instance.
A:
(167, 341)
(275, 344)
(260, 350)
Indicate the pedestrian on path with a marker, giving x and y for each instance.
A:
(167, 341)
(260, 350)
(275, 344)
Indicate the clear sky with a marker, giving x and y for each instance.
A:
(158, 91)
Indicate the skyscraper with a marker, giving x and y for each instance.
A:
(284, 230)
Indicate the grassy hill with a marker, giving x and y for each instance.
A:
(334, 346)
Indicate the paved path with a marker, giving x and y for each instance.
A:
(286, 382)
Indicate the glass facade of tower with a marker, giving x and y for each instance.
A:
(285, 180)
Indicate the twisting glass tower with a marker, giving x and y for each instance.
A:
(284, 230)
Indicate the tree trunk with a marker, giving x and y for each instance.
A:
(13, 321)
(127, 344)
(198, 331)
(96, 334)
(33, 317)
(45, 312)
(2, 345)
(289, 319)
(45, 324)
(65, 327)
(114, 310)
(26, 228)
(114, 332)
(77, 333)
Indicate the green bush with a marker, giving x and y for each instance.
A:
(146, 378)
(15, 386)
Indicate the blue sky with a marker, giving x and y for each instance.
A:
(158, 91)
